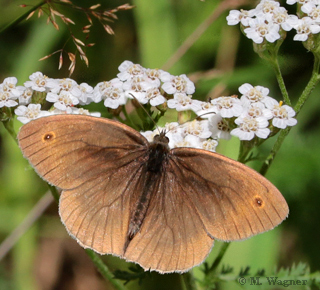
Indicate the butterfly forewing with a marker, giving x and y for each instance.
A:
(68, 150)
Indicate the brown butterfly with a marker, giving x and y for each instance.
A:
(141, 201)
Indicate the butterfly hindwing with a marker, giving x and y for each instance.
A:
(97, 212)
(233, 201)
(98, 163)
(172, 237)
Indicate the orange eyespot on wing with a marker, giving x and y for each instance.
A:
(233, 201)
(48, 136)
(258, 201)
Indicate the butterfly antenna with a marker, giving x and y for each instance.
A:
(198, 116)
(155, 124)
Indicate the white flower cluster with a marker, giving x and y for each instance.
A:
(195, 134)
(254, 114)
(268, 20)
(64, 94)
(146, 85)
(9, 93)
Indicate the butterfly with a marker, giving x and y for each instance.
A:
(141, 201)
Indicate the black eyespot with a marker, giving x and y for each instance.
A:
(48, 137)
(258, 201)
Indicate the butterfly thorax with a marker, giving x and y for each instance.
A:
(157, 157)
(158, 152)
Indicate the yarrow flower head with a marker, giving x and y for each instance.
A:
(228, 107)
(9, 93)
(219, 127)
(251, 94)
(259, 30)
(268, 22)
(183, 102)
(102, 89)
(79, 111)
(133, 82)
(138, 87)
(7, 99)
(154, 96)
(312, 10)
(31, 112)
(156, 74)
(251, 127)
(114, 97)
(243, 16)
(85, 95)
(305, 4)
(282, 115)
(197, 128)
(177, 84)
(206, 110)
(282, 18)
(304, 28)
(67, 85)
(40, 82)
(63, 100)
(9, 86)
(128, 70)
(25, 96)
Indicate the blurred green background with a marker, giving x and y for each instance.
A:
(219, 61)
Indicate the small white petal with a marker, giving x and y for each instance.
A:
(263, 133)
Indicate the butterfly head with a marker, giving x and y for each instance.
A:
(161, 138)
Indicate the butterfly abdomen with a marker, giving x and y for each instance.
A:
(157, 157)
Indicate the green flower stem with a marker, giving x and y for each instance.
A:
(311, 85)
(22, 17)
(280, 80)
(269, 52)
(104, 270)
(283, 133)
(276, 147)
(54, 192)
(218, 259)
(245, 148)
(8, 124)
(188, 281)
(128, 119)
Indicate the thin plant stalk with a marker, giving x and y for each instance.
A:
(104, 270)
(283, 133)
(218, 259)
(188, 281)
(8, 124)
(282, 86)
(25, 225)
